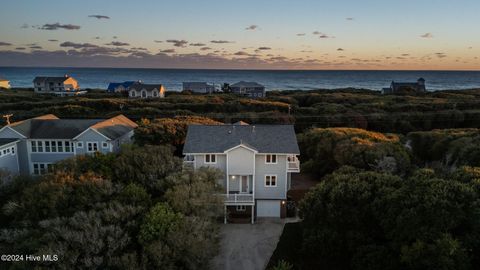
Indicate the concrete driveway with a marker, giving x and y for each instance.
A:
(247, 246)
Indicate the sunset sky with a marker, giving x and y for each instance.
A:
(268, 34)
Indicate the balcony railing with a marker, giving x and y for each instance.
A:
(238, 198)
(293, 164)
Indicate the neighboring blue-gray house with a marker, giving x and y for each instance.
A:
(40, 142)
(257, 161)
(199, 87)
(114, 87)
(250, 89)
(401, 87)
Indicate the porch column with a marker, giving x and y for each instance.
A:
(252, 213)
(225, 215)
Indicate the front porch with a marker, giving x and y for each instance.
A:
(239, 196)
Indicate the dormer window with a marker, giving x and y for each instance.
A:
(210, 159)
(271, 159)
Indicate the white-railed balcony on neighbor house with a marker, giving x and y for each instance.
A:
(293, 164)
(239, 190)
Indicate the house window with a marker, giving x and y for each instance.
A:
(270, 180)
(210, 159)
(132, 93)
(241, 208)
(42, 168)
(104, 145)
(79, 144)
(40, 146)
(67, 146)
(54, 146)
(13, 150)
(155, 93)
(34, 146)
(144, 94)
(92, 147)
(47, 146)
(271, 159)
(60, 146)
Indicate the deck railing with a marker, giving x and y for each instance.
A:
(293, 164)
(238, 198)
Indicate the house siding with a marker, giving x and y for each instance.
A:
(9, 161)
(91, 136)
(240, 161)
(278, 169)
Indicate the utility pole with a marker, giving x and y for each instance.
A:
(7, 118)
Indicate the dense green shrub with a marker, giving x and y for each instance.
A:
(324, 150)
(370, 220)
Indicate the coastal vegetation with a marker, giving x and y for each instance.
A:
(356, 219)
(398, 183)
(356, 108)
(106, 212)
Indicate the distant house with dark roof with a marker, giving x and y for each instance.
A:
(42, 141)
(403, 87)
(257, 162)
(115, 87)
(4, 83)
(198, 87)
(250, 89)
(62, 86)
(142, 90)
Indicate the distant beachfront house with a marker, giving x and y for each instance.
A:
(250, 89)
(62, 86)
(402, 87)
(141, 90)
(198, 87)
(115, 87)
(4, 83)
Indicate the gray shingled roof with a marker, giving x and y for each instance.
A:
(112, 128)
(50, 79)
(263, 138)
(6, 141)
(54, 128)
(246, 84)
(148, 87)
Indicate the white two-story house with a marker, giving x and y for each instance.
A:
(257, 161)
(32, 146)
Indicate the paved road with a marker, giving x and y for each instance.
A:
(247, 246)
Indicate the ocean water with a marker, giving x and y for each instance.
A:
(272, 79)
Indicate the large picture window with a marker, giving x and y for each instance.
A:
(51, 146)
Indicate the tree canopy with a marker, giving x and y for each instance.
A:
(371, 220)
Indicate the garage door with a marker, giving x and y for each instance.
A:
(268, 208)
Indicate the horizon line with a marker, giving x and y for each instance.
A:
(244, 69)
